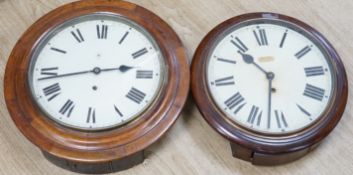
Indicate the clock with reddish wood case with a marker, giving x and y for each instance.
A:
(95, 82)
(271, 84)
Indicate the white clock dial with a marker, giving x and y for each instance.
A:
(270, 76)
(96, 72)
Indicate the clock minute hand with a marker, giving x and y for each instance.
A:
(66, 75)
(270, 76)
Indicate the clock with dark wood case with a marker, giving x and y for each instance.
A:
(271, 84)
(95, 82)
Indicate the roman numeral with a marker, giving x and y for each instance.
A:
(58, 50)
(235, 101)
(139, 53)
(91, 115)
(303, 52)
(144, 74)
(226, 61)
(124, 37)
(255, 113)
(67, 108)
(283, 39)
(102, 31)
(136, 95)
(239, 44)
(281, 120)
(303, 110)
(118, 111)
(261, 38)
(49, 72)
(78, 36)
(52, 91)
(314, 71)
(225, 81)
(314, 92)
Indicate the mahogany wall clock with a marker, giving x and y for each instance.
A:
(272, 85)
(95, 82)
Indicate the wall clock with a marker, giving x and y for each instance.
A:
(95, 82)
(270, 84)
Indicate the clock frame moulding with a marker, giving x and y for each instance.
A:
(294, 145)
(60, 142)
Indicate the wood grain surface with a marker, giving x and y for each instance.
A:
(192, 147)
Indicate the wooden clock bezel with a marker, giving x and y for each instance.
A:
(108, 145)
(255, 141)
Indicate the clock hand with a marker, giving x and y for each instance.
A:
(250, 60)
(96, 71)
(270, 76)
(125, 68)
(122, 69)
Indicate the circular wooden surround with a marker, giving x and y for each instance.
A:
(259, 142)
(108, 145)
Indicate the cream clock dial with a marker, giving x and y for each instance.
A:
(269, 76)
(96, 72)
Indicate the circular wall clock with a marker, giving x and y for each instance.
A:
(93, 83)
(272, 85)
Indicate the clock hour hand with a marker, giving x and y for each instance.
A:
(125, 68)
(250, 60)
(122, 69)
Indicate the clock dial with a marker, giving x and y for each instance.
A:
(96, 72)
(270, 76)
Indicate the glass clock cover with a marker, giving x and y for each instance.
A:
(96, 72)
(270, 76)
